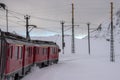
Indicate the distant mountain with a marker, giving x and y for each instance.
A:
(103, 31)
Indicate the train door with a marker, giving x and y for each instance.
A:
(34, 53)
(23, 60)
(3, 48)
(48, 55)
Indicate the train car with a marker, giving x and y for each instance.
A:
(40, 55)
(27, 58)
(53, 53)
(45, 53)
(17, 55)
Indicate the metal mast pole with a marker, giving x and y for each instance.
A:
(112, 56)
(27, 25)
(73, 37)
(88, 37)
(63, 43)
(7, 19)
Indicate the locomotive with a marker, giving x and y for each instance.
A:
(18, 55)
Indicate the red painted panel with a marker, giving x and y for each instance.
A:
(13, 63)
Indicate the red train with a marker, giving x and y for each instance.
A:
(17, 55)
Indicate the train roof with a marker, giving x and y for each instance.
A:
(43, 42)
(13, 36)
(8, 36)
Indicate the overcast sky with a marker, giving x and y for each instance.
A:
(93, 11)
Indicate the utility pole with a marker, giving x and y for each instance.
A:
(73, 36)
(112, 55)
(7, 19)
(88, 38)
(63, 43)
(27, 17)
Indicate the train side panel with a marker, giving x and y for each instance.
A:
(27, 59)
(14, 58)
(53, 54)
(40, 53)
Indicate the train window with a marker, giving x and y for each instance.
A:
(17, 52)
(20, 52)
(30, 51)
(40, 50)
(36, 50)
(51, 51)
(11, 51)
(55, 50)
(8, 51)
(44, 51)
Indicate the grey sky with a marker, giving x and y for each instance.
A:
(93, 11)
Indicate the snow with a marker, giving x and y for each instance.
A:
(81, 65)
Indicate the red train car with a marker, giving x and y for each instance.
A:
(45, 53)
(17, 55)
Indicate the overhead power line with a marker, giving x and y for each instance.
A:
(45, 19)
(16, 12)
(36, 17)
(47, 30)
(11, 21)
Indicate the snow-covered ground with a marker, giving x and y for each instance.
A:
(81, 66)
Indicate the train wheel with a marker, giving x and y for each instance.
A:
(43, 65)
(16, 77)
(56, 61)
(40, 65)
